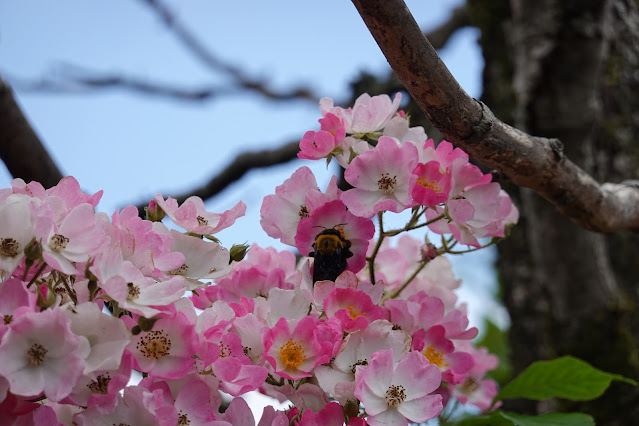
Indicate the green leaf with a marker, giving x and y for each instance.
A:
(501, 418)
(494, 339)
(490, 419)
(551, 419)
(565, 377)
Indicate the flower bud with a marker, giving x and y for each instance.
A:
(238, 251)
(429, 251)
(146, 324)
(33, 251)
(351, 408)
(154, 213)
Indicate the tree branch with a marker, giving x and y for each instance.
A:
(89, 81)
(533, 162)
(439, 36)
(20, 148)
(234, 171)
(201, 52)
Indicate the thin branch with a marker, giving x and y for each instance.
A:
(201, 52)
(533, 162)
(439, 36)
(91, 81)
(238, 168)
(20, 148)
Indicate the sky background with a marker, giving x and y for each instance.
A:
(133, 146)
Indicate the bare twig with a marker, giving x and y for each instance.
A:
(201, 52)
(234, 171)
(88, 81)
(458, 19)
(20, 148)
(533, 162)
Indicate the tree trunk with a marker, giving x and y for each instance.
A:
(567, 69)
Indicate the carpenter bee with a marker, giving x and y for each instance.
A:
(331, 252)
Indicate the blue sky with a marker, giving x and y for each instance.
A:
(133, 146)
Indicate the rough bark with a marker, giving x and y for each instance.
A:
(533, 162)
(20, 148)
(568, 290)
(561, 70)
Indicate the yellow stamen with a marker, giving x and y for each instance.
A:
(435, 357)
(292, 353)
(354, 311)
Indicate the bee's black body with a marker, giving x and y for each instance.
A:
(331, 252)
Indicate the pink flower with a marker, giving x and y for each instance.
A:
(39, 353)
(294, 200)
(398, 128)
(369, 114)
(68, 189)
(331, 414)
(16, 231)
(481, 211)
(202, 259)
(76, 239)
(354, 309)
(193, 216)
(106, 335)
(316, 145)
(15, 300)
(136, 407)
(145, 244)
(440, 351)
(382, 179)
(476, 389)
(100, 389)
(333, 215)
(393, 393)
(432, 186)
(293, 354)
(234, 369)
(133, 291)
(167, 350)
(358, 347)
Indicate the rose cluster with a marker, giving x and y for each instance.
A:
(92, 302)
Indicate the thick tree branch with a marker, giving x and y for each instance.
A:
(20, 148)
(234, 171)
(533, 162)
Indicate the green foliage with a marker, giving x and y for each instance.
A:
(565, 377)
(502, 418)
(494, 339)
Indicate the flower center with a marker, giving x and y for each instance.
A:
(100, 384)
(435, 357)
(427, 183)
(386, 183)
(225, 350)
(7, 319)
(292, 353)
(9, 247)
(201, 221)
(303, 212)
(359, 362)
(180, 271)
(58, 242)
(395, 395)
(133, 291)
(469, 386)
(183, 419)
(155, 344)
(354, 311)
(35, 354)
